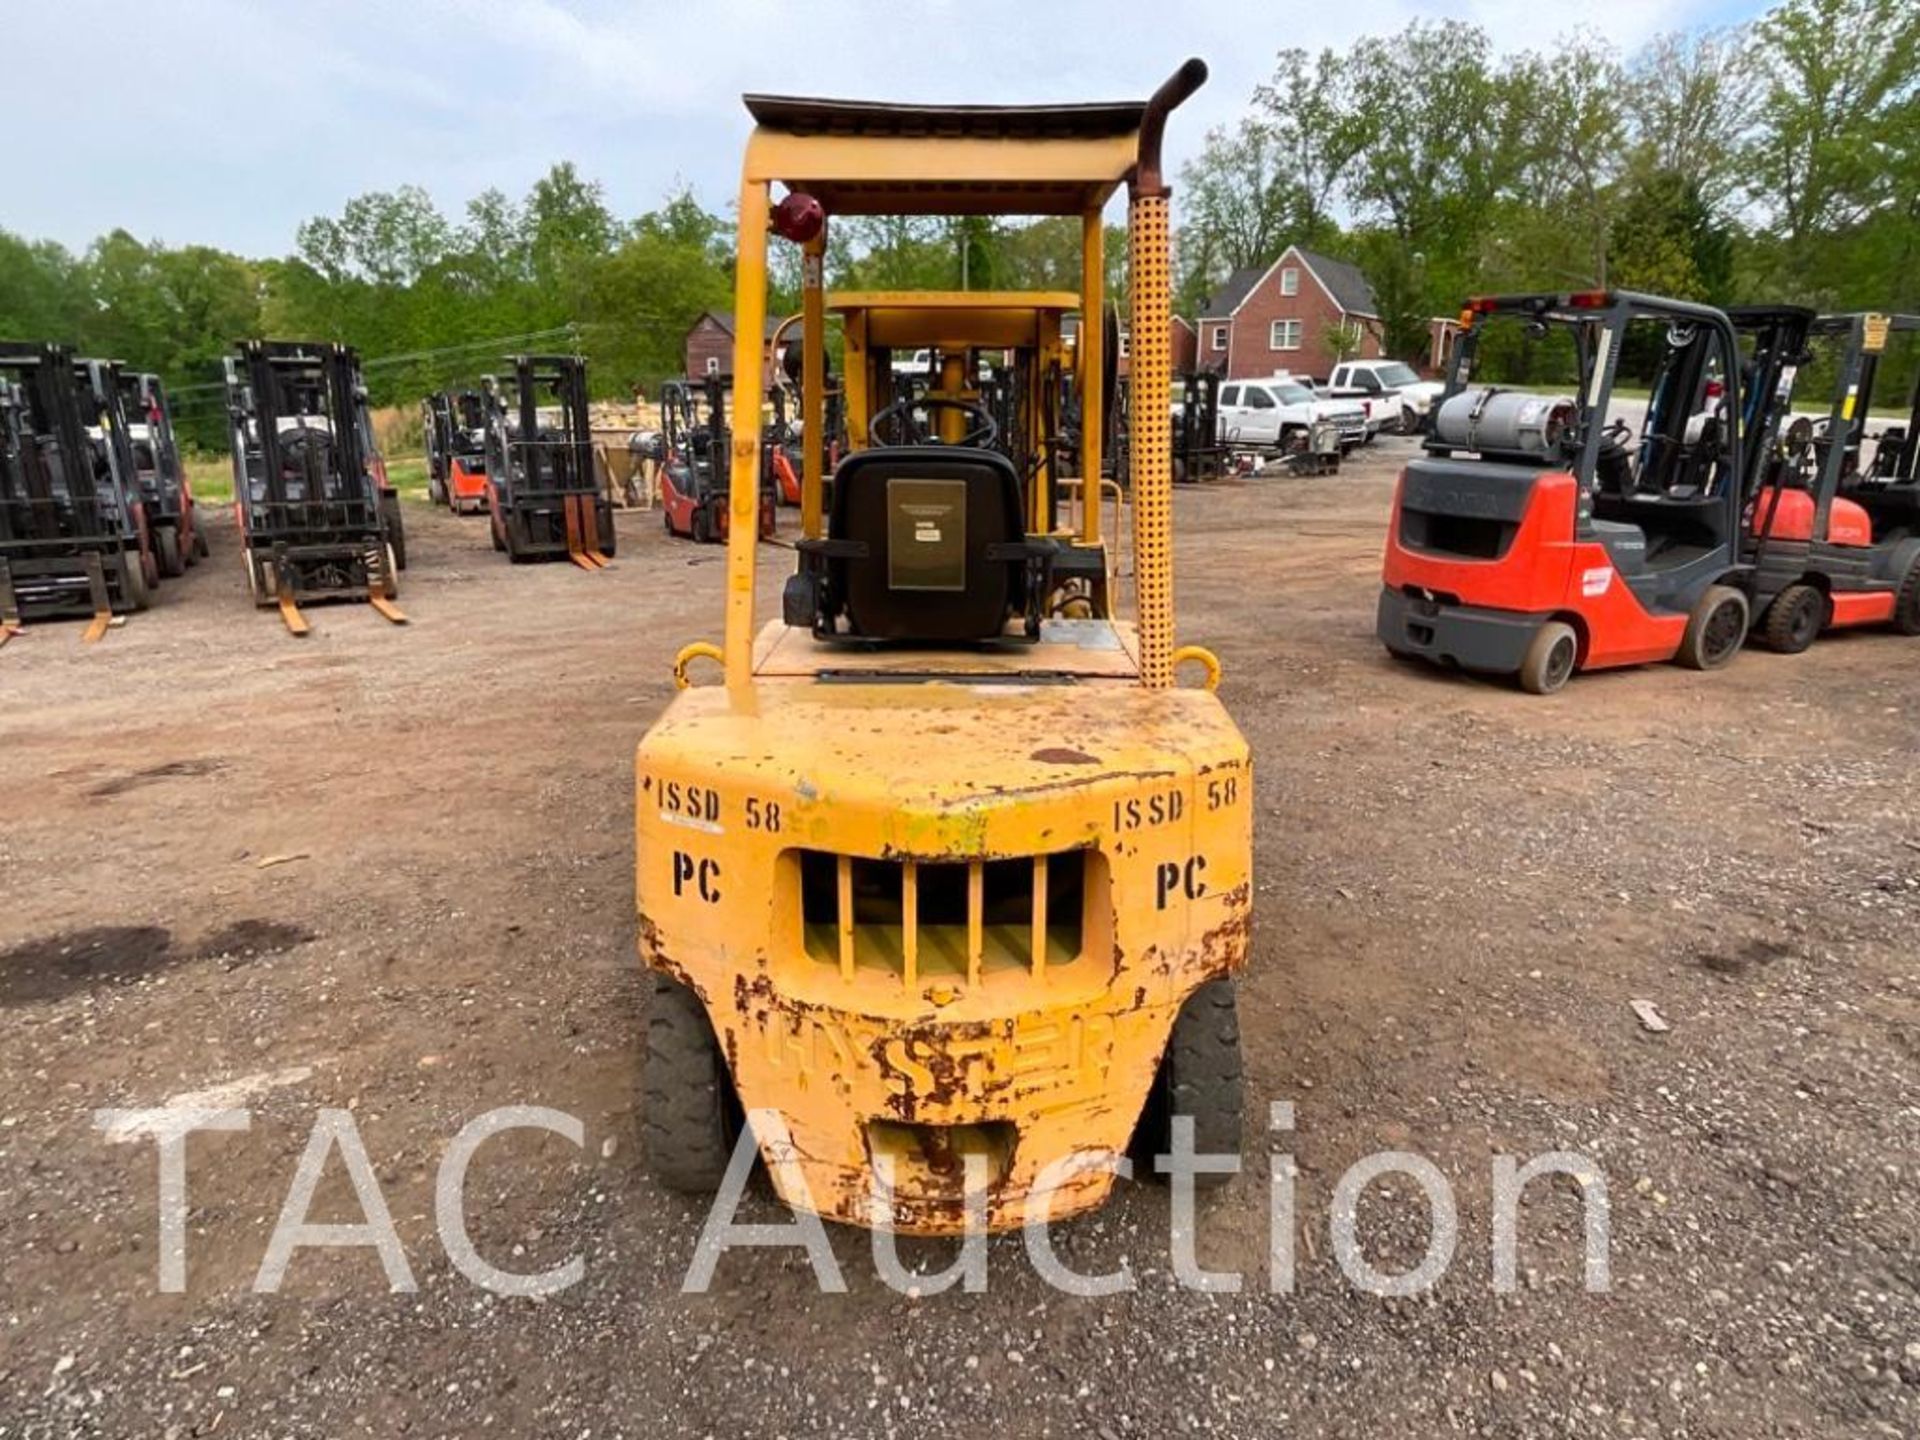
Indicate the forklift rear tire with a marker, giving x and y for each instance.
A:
(692, 1118)
(1550, 659)
(1906, 609)
(200, 543)
(1795, 618)
(702, 527)
(1200, 1077)
(1716, 630)
(167, 544)
(390, 521)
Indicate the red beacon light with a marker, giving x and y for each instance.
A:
(798, 217)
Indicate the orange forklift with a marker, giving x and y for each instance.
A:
(1835, 528)
(456, 433)
(694, 479)
(1542, 535)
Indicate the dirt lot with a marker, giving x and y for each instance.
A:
(1460, 891)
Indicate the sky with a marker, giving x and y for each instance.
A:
(228, 122)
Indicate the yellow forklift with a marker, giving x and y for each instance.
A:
(945, 895)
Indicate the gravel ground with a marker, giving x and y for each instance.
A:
(1461, 890)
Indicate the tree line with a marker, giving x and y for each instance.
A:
(1779, 160)
(431, 301)
(1775, 161)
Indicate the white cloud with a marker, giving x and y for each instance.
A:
(229, 121)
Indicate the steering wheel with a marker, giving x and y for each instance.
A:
(980, 436)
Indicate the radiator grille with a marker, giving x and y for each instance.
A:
(963, 920)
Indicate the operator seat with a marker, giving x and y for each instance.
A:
(925, 543)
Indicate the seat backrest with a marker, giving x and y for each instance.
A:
(927, 520)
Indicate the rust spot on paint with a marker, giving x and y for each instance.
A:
(1062, 755)
(1224, 948)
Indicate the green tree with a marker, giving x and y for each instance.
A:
(1838, 77)
(41, 294)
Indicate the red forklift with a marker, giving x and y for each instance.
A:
(1542, 534)
(456, 435)
(542, 488)
(99, 385)
(780, 450)
(694, 474)
(1835, 535)
(177, 538)
(73, 534)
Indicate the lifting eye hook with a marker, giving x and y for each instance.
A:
(701, 650)
(1199, 655)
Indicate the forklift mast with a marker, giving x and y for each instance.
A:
(50, 492)
(102, 385)
(566, 462)
(291, 380)
(1866, 337)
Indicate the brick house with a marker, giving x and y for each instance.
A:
(1284, 316)
(1182, 340)
(709, 344)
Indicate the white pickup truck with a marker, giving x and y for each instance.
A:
(1389, 384)
(1266, 414)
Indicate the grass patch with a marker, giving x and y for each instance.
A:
(211, 477)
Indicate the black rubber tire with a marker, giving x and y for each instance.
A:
(1551, 658)
(391, 522)
(608, 539)
(134, 584)
(1716, 629)
(702, 526)
(200, 548)
(166, 545)
(1200, 1076)
(259, 585)
(437, 491)
(692, 1119)
(1409, 422)
(1906, 608)
(1795, 618)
